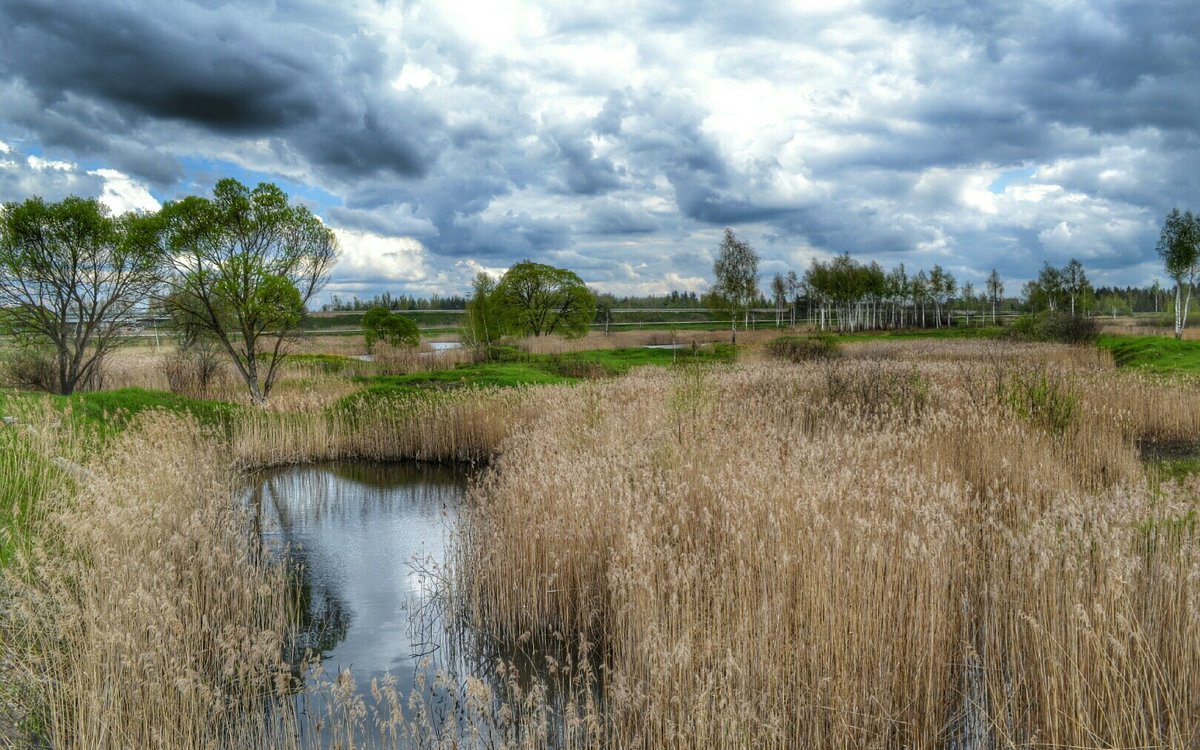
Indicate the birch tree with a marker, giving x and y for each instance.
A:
(1179, 248)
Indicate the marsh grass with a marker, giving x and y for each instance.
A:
(880, 556)
(877, 552)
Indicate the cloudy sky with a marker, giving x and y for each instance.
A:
(618, 139)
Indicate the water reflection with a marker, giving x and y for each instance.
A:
(367, 542)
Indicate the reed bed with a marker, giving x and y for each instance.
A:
(945, 544)
(861, 554)
(465, 425)
(142, 617)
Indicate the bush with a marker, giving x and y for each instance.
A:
(1042, 399)
(1057, 327)
(873, 389)
(381, 324)
(31, 368)
(804, 348)
(193, 371)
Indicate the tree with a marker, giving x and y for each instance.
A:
(393, 329)
(72, 276)
(736, 287)
(242, 267)
(1115, 304)
(539, 300)
(995, 291)
(779, 294)
(483, 320)
(942, 287)
(1047, 291)
(1179, 248)
(793, 292)
(605, 304)
(968, 298)
(1074, 282)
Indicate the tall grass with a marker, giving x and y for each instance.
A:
(798, 562)
(918, 545)
(141, 617)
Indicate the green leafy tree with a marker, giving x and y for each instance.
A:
(242, 267)
(72, 277)
(735, 289)
(1075, 282)
(381, 324)
(942, 287)
(483, 324)
(779, 295)
(605, 305)
(1179, 248)
(995, 291)
(1047, 291)
(1114, 304)
(539, 300)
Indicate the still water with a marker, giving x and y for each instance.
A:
(369, 544)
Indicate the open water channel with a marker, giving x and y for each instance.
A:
(368, 542)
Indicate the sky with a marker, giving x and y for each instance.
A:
(619, 139)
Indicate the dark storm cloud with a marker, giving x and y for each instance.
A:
(98, 69)
(580, 171)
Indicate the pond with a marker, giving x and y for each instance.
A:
(369, 541)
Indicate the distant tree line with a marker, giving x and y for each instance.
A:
(402, 302)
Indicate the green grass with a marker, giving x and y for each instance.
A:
(516, 369)
(909, 334)
(1157, 354)
(330, 363)
(28, 478)
(108, 412)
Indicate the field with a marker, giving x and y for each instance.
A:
(934, 542)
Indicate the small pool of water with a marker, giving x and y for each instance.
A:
(370, 542)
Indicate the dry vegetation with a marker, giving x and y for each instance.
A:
(923, 551)
(921, 544)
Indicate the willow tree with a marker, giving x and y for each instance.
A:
(736, 287)
(534, 299)
(72, 277)
(242, 267)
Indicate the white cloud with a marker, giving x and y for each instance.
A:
(41, 165)
(123, 194)
(377, 259)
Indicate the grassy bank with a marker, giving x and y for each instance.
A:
(1155, 354)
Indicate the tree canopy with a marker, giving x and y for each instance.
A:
(381, 324)
(242, 266)
(71, 277)
(534, 299)
(1179, 249)
(735, 289)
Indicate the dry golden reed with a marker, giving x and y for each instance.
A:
(143, 615)
(947, 544)
(866, 554)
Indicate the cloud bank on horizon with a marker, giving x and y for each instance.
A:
(443, 137)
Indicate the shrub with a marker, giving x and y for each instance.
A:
(381, 324)
(804, 348)
(1042, 399)
(1057, 327)
(193, 371)
(31, 368)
